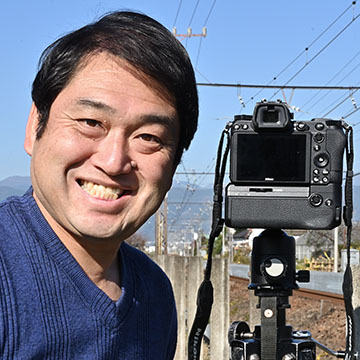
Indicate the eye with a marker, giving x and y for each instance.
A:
(91, 123)
(150, 138)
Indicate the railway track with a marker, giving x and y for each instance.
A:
(312, 294)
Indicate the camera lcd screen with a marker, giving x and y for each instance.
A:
(270, 158)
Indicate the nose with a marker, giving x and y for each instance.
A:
(113, 155)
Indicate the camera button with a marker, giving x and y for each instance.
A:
(301, 126)
(316, 171)
(328, 202)
(325, 172)
(316, 200)
(245, 126)
(316, 179)
(325, 180)
(319, 126)
(317, 147)
(319, 138)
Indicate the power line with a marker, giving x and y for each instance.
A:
(193, 14)
(211, 9)
(194, 173)
(304, 51)
(281, 86)
(354, 90)
(319, 52)
(201, 39)
(191, 186)
(351, 113)
(333, 78)
(177, 13)
(337, 105)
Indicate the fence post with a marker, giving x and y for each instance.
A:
(186, 275)
(219, 319)
(356, 304)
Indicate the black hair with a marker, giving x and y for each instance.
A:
(138, 39)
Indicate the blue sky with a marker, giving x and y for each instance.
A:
(248, 42)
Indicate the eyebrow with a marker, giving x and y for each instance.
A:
(164, 120)
(96, 105)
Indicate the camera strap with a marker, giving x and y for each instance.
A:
(347, 285)
(205, 293)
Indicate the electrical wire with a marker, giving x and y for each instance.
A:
(319, 52)
(351, 113)
(301, 53)
(191, 187)
(341, 99)
(303, 106)
(191, 19)
(193, 14)
(337, 105)
(208, 16)
(201, 39)
(177, 13)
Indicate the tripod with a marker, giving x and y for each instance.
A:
(273, 278)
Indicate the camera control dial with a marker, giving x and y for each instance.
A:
(316, 200)
(321, 160)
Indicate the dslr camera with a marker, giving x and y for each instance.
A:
(284, 174)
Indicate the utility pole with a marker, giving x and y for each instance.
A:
(161, 229)
(189, 33)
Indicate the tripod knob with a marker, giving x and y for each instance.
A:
(239, 330)
(303, 276)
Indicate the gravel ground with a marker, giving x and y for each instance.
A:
(325, 320)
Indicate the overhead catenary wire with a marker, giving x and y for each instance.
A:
(300, 87)
(353, 91)
(313, 97)
(351, 113)
(201, 39)
(194, 12)
(191, 19)
(190, 190)
(341, 101)
(304, 51)
(177, 13)
(319, 52)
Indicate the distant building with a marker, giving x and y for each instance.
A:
(302, 249)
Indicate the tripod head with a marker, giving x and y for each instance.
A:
(273, 265)
(273, 278)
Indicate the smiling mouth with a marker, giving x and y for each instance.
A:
(100, 191)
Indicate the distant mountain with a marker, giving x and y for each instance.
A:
(189, 208)
(14, 185)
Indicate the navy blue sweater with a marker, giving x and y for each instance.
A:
(50, 309)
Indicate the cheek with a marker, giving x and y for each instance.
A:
(157, 174)
(64, 151)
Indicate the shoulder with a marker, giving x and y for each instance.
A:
(13, 209)
(142, 262)
(17, 203)
(147, 272)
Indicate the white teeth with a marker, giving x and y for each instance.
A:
(101, 191)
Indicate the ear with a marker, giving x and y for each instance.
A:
(31, 126)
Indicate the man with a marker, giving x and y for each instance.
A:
(114, 106)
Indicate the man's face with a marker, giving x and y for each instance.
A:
(106, 158)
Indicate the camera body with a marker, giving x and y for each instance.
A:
(284, 174)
